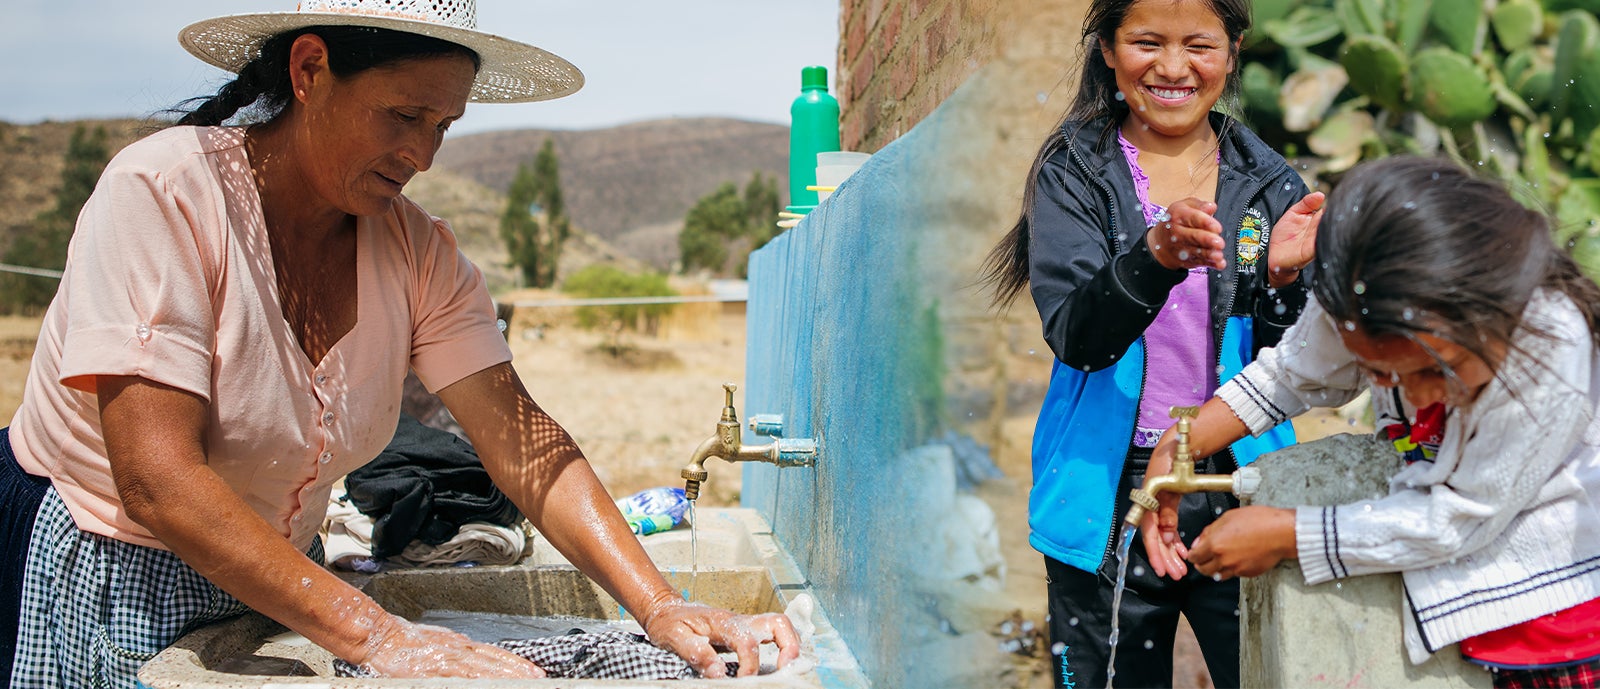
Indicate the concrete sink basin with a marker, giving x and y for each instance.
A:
(741, 568)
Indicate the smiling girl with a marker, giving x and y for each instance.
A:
(1162, 243)
(1480, 340)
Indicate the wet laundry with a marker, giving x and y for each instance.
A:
(585, 655)
(348, 538)
(423, 487)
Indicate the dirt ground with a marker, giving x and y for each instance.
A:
(640, 404)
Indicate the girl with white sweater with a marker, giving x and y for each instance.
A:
(1480, 341)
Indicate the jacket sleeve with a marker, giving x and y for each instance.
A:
(1093, 305)
(1504, 457)
(1308, 368)
(1277, 309)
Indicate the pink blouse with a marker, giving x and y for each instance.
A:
(169, 277)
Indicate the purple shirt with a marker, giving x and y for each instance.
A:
(1179, 370)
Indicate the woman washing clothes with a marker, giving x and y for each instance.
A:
(239, 308)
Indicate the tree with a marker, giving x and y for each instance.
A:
(46, 245)
(723, 227)
(534, 225)
(600, 280)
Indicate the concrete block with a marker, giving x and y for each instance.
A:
(1337, 634)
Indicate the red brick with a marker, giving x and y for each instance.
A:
(861, 73)
(855, 38)
(891, 29)
(903, 74)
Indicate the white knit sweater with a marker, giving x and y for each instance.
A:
(1503, 525)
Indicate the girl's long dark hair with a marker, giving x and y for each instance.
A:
(1409, 245)
(1005, 270)
(263, 84)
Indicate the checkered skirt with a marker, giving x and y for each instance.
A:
(94, 609)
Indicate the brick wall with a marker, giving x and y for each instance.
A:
(899, 59)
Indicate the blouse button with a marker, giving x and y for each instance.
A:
(325, 457)
(327, 418)
(322, 378)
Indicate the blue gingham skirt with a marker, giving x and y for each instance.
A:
(94, 609)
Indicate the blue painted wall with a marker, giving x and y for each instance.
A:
(845, 343)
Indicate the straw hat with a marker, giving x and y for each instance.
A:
(512, 72)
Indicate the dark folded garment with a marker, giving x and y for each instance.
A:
(583, 655)
(423, 487)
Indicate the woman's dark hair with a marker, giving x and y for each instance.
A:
(1412, 245)
(264, 82)
(1006, 269)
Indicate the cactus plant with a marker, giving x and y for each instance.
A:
(1449, 89)
(1459, 23)
(1517, 23)
(1377, 69)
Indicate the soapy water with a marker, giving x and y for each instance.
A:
(489, 627)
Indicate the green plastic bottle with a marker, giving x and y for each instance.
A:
(814, 129)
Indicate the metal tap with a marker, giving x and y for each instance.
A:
(1182, 479)
(727, 445)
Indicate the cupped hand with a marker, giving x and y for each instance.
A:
(1294, 240)
(1187, 235)
(1162, 544)
(1244, 542)
(698, 632)
(399, 648)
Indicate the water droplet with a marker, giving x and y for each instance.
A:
(1120, 96)
(1287, 186)
(1072, 622)
(1360, 287)
(1057, 647)
(1219, 369)
(1367, 507)
(1148, 644)
(1338, 584)
(305, 582)
(1280, 309)
(1138, 570)
(1030, 352)
(1350, 326)
(1217, 576)
(1407, 314)
(143, 332)
(1217, 510)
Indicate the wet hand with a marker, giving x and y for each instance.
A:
(1245, 542)
(698, 632)
(398, 648)
(1159, 530)
(1187, 235)
(1294, 240)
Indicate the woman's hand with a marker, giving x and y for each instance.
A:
(1159, 529)
(697, 632)
(1245, 542)
(1187, 235)
(398, 648)
(1294, 240)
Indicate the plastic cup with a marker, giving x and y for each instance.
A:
(834, 167)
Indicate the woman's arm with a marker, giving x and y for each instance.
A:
(536, 463)
(155, 439)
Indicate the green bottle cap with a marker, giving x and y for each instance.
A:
(814, 77)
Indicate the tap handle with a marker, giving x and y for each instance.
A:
(727, 390)
(729, 414)
(1183, 414)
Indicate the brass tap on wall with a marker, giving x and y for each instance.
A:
(1183, 480)
(727, 445)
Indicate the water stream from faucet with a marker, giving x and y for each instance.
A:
(694, 553)
(1116, 600)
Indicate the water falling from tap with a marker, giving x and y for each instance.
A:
(1116, 600)
(694, 553)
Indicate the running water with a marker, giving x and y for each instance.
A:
(694, 553)
(1116, 600)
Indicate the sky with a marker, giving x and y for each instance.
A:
(641, 59)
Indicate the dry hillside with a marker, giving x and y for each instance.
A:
(637, 179)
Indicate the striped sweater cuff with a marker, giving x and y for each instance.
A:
(1316, 538)
(1251, 405)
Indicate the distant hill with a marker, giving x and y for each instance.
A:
(627, 187)
(631, 185)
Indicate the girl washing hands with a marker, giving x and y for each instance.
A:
(1480, 340)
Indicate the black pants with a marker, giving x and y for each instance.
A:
(1080, 606)
(20, 495)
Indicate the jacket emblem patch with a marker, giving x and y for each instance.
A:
(1252, 237)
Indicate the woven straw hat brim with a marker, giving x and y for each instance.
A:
(512, 72)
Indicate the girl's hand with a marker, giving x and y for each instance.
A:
(1294, 240)
(1187, 236)
(1245, 542)
(1162, 545)
(697, 632)
(398, 648)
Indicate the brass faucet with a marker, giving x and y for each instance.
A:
(1183, 480)
(726, 444)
